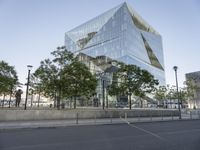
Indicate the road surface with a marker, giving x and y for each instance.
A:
(170, 135)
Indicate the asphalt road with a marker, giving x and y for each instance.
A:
(174, 135)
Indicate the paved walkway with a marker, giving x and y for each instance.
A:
(186, 115)
(73, 122)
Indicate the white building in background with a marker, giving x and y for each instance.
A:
(193, 81)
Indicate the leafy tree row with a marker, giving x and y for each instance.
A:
(168, 92)
(64, 77)
(132, 80)
(8, 79)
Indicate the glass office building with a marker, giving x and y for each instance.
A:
(122, 35)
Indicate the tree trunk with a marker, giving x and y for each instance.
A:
(38, 100)
(55, 100)
(129, 99)
(58, 101)
(141, 103)
(70, 103)
(31, 100)
(75, 102)
(10, 97)
(4, 95)
(106, 99)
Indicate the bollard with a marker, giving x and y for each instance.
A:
(111, 118)
(151, 116)
(172, 115)
(199, 114)
(125, 116)
(76, 118)
(162, 115)
(95, 118)
(139, 116)
(190, 115)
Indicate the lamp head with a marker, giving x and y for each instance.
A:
(29, 67)
(175, 68)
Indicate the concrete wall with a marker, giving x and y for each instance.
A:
(13, 115)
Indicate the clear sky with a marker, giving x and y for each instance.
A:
(31, 29)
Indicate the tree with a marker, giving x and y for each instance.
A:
(161, 93)
(8, 79)
(36, 87)
(65, 76)
(132, 80)
(146, 84)
(183, 96)
(114, 88)
(80, 80)
(47, 74)
(165, 93)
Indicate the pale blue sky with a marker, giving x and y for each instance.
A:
(31, 29)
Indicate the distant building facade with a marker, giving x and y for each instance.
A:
(193, 85)
(122, 35)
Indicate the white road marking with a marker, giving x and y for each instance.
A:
(141, 129)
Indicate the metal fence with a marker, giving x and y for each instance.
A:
(124, 118)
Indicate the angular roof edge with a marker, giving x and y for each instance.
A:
(114, 8)
(134, 13)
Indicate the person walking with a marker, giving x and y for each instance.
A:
(18, 97)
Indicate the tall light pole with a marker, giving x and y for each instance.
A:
(179, 108)
(103, 88)
(128, 76)
(27, 85)
(101, 76)
(103, 94)
(129, 92)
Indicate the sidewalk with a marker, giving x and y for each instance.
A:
(6, 125)
(74, 122)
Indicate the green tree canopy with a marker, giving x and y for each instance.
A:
(160, 93)
(130, 79)
(64, 76)
(8, 78)
(168, 92)
(80, 81)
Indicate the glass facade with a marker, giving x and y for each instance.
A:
(122, 35)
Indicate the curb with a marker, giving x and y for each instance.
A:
(48, 126)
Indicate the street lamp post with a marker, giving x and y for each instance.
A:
(179, 109)
(103, 94)
(129, 91)
(101, 76)
(27, 85)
